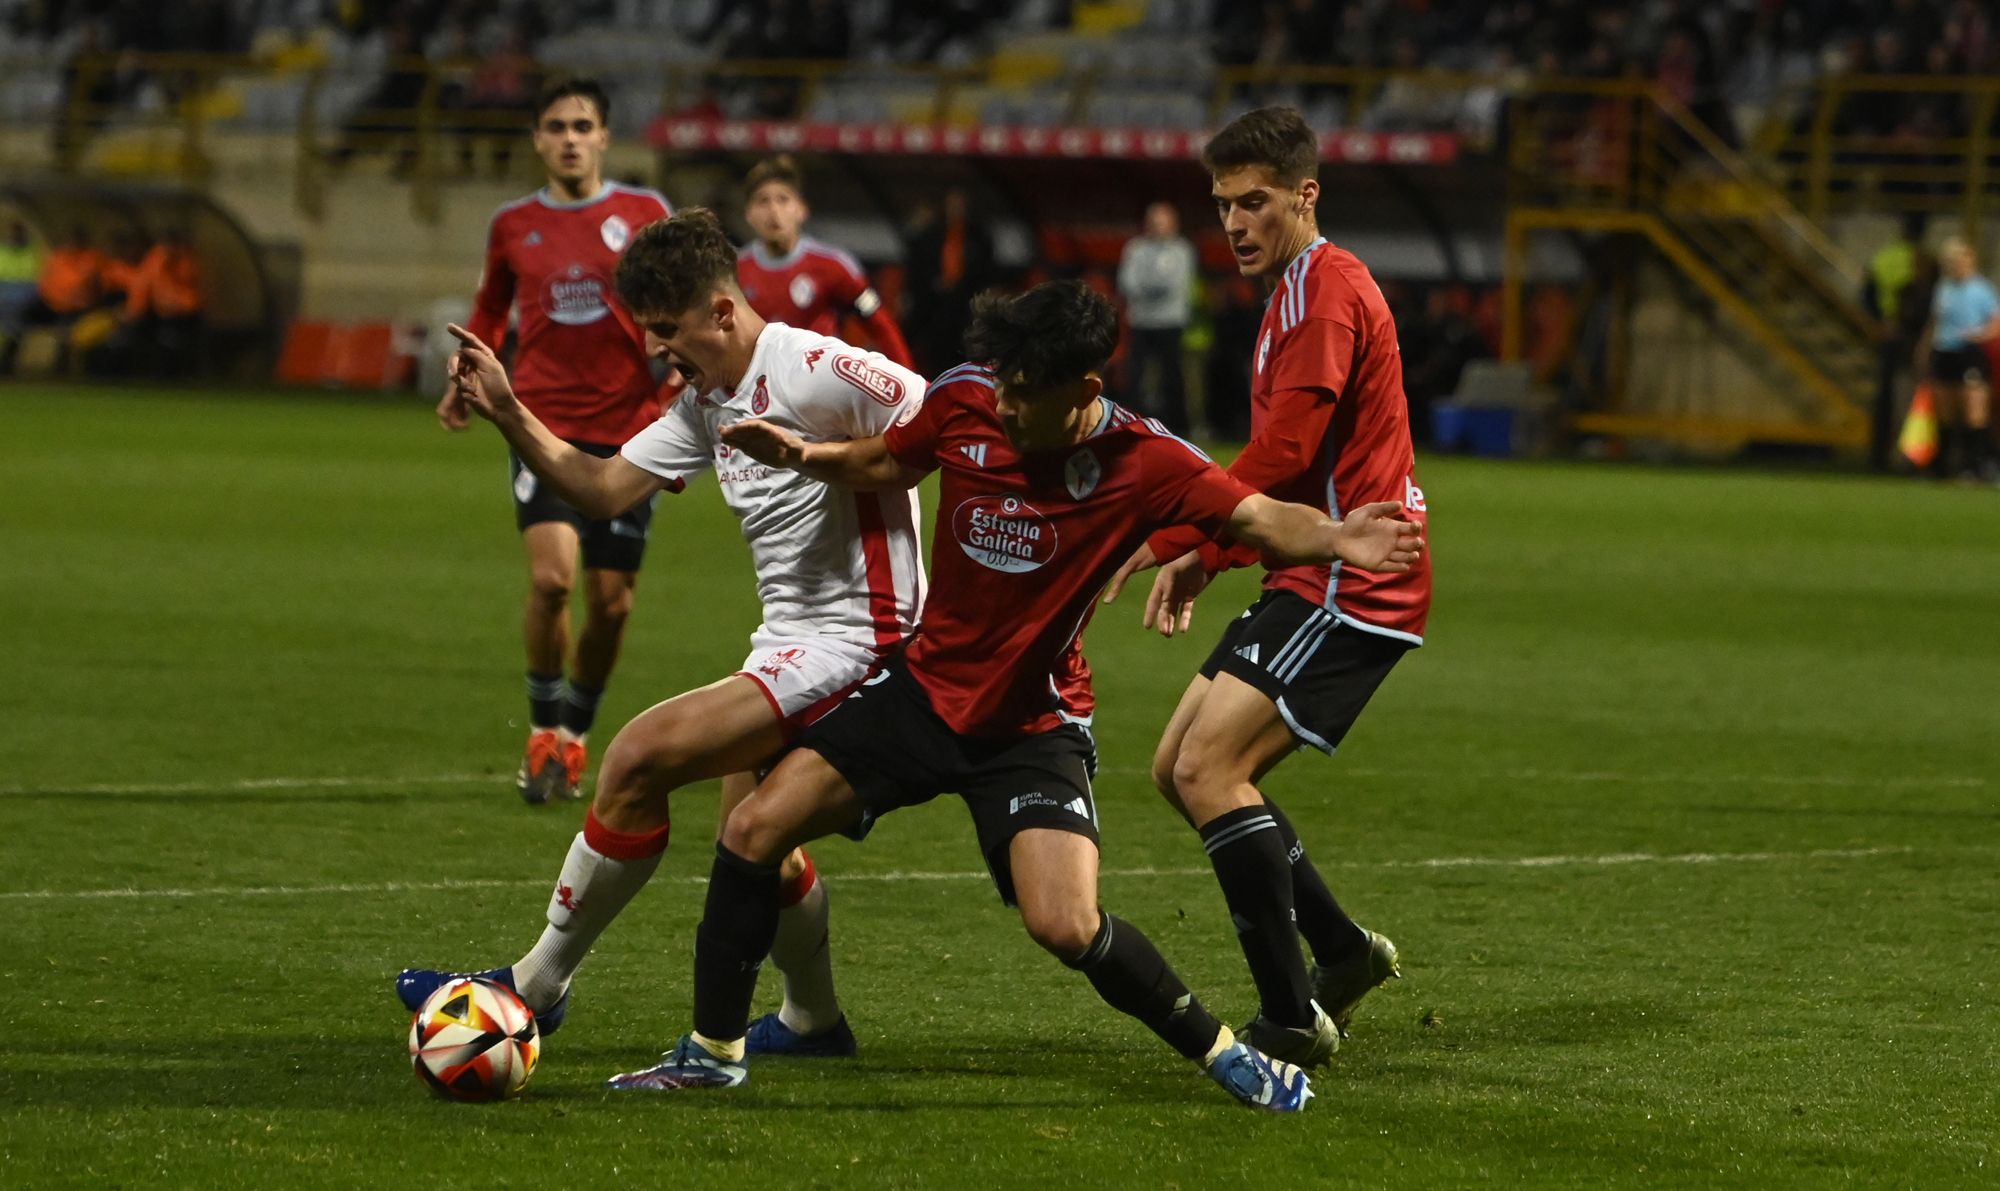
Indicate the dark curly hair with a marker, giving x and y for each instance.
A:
(674, 263)
(1049, 336)
(1277, 138)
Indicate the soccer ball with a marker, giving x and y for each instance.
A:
(474, 1040)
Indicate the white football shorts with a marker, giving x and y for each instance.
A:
(804, 677)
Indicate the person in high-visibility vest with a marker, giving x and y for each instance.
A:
(65, 289)
(1896, 293)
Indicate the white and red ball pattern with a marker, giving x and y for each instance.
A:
(474, 1040)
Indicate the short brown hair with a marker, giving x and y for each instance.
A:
(674, 263)
(780, 169)
(1277, 138)
(557, 90)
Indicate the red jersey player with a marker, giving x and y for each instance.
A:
(794, 279)
(1330, 428)
(1045, 488)
(581, 366)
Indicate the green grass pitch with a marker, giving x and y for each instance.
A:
(1685, 822)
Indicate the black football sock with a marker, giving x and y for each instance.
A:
(1256, 879)
(738, 923)
(579, 708)
(1324, 926)
(544, 700)
(1134, 978)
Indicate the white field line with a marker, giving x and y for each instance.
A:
(1436, 862)
(1807, 780)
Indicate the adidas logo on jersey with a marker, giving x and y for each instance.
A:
(975, 452)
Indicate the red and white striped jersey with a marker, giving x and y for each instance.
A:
(830, 561)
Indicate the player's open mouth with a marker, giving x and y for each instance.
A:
(1246, 252)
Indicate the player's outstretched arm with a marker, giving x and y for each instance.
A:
(598, 488)
(863, 463)
(1372, 537)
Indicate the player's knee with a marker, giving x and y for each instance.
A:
(752, 834)
(1163, 773)
(643, 768)
(1192, 771)
(611, 608)
(549, 587)
(1064, 931)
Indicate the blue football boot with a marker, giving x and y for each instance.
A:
(415, 985)
(688, 1065)
(771, 1036)
(1260, 1081)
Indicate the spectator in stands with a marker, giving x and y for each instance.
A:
(1965, 317)
(1896, 294)
(386, 117)
(1437, 345)
(500, 97)
(66, 289)
(950, 259)
(20, 265)
(1235, 311)
(1155, 275)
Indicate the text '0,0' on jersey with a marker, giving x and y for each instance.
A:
(580, 362)
(830, 561)
(1024, 543)
(1330, 428)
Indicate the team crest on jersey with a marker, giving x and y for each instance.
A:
(879, 383)
(575, 297)
(1004, 533)
(776, 664)
(760, 397)
(532, 239)
(616, 232)
(1264, 352)
(1081, 473)
(803, 291)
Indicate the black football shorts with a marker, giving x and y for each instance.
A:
(895, 751)
(615, 544)
(1319, 671)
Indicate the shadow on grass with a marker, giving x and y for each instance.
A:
(263, 1071)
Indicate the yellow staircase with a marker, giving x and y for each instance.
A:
(1627, 161)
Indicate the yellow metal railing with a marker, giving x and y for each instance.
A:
(1812, 149)
(1622, 157)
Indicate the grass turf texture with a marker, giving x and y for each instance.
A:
(1795, 671)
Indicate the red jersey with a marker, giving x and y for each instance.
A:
(581, 361)
(1024, 543)
(812, 287)
(1330, 428)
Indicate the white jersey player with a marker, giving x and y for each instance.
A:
(839, 574)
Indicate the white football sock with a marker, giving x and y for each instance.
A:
(800, 952)
(592, 890)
